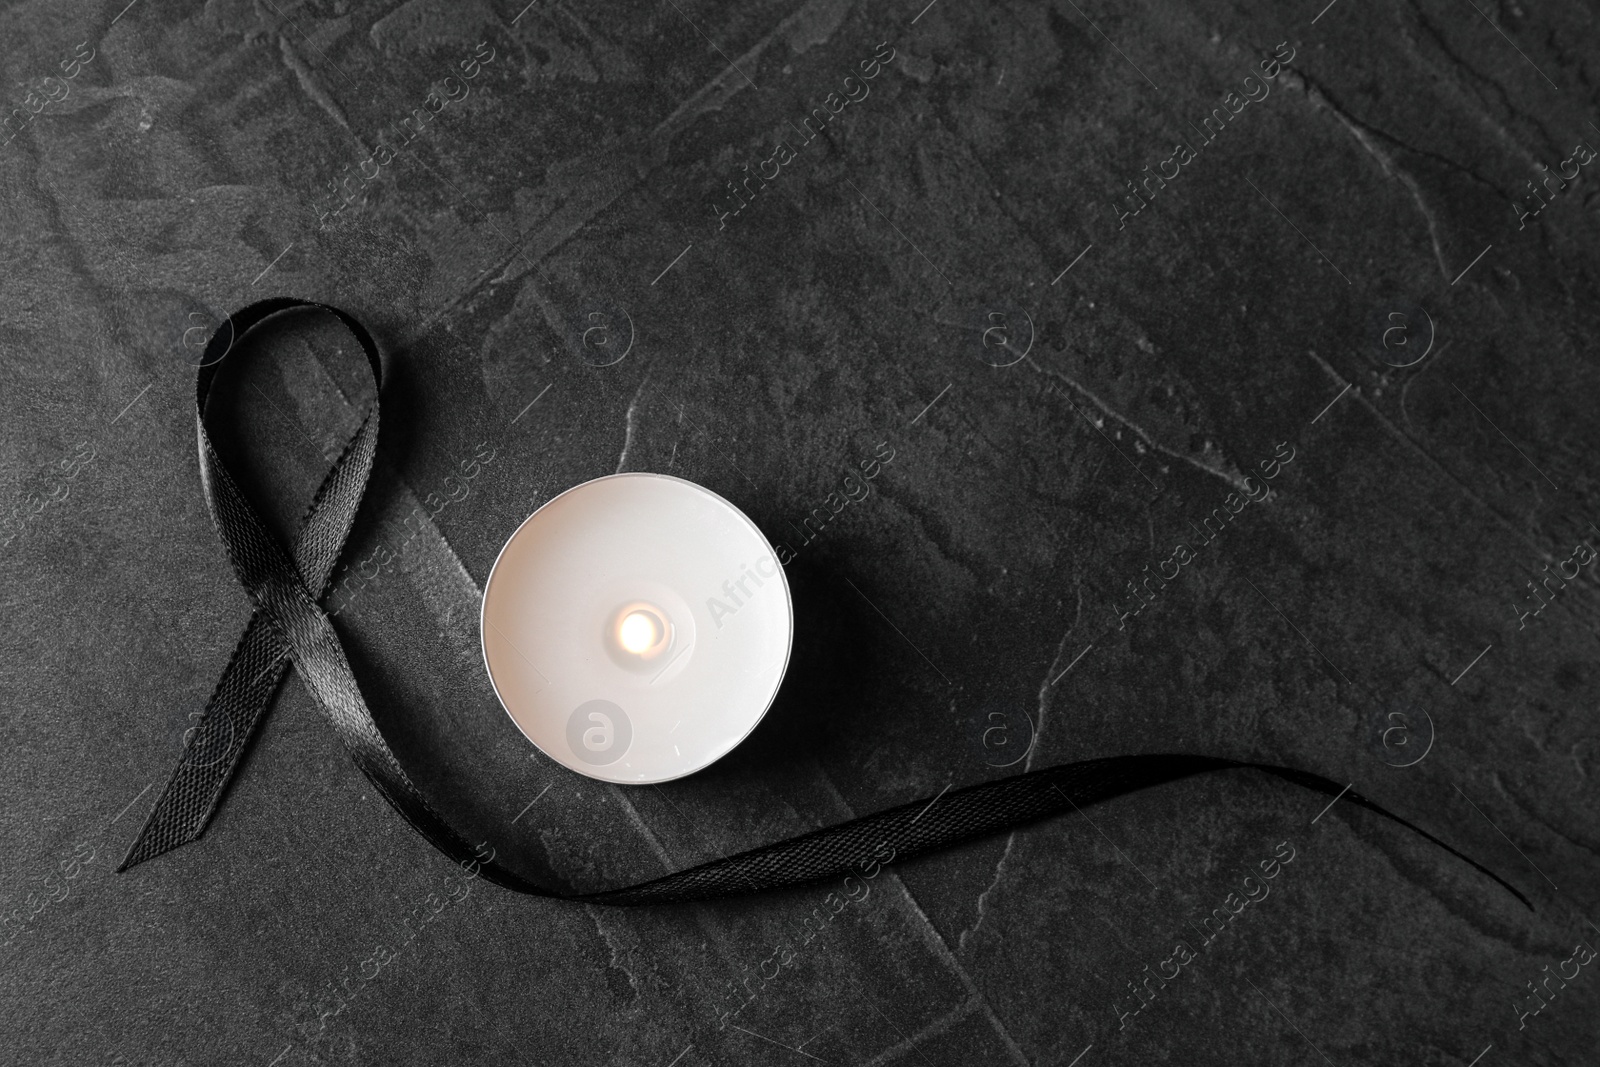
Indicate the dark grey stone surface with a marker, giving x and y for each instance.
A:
(187, 168)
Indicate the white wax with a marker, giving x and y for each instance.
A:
(636, 627)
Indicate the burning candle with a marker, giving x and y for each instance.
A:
(636, 627)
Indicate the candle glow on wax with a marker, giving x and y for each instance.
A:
(640, 631)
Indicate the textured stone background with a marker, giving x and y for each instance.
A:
(184, 174)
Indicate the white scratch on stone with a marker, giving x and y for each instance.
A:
(933, 1029)
(619, 959)
(627, 439)
(1232, 478)
(1440, 468)
(935, 942)
(930, 934)
(1385, 161)
(1027, 765)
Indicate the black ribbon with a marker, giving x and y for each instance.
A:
(289, 627)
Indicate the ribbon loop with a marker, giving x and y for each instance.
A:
(234, 711)
(289, 626)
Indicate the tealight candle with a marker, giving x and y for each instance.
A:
(636, 627)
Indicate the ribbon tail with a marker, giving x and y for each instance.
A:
(1329, 787)
(962, 815)
(212, 756)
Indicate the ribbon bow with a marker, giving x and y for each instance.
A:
(288, 627)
